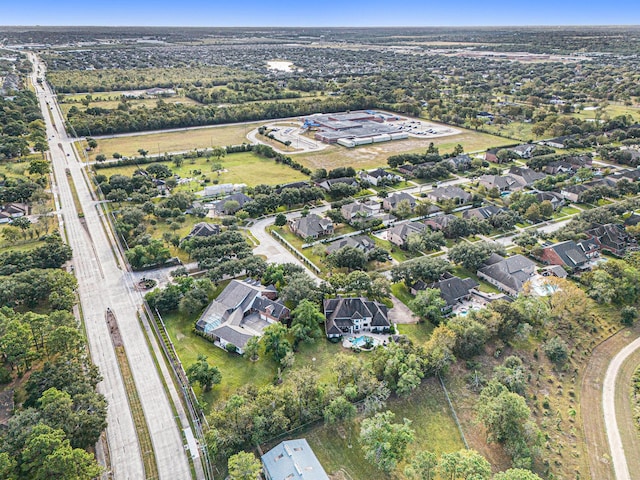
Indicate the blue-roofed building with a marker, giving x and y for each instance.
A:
(292, 460)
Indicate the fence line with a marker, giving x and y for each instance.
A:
(453, 411)
(295, 251)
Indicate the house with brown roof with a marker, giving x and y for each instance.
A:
(613, 238)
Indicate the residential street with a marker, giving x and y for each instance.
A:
(104, 284)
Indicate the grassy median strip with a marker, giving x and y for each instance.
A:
(144, 437)
(74, 194)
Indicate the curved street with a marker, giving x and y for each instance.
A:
(611, 390)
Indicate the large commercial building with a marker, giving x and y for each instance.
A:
(353, 128)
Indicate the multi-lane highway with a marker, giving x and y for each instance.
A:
(104, 283)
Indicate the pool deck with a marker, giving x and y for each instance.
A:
(380, 338)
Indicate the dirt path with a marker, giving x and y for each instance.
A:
(591, 403)
(624, 413)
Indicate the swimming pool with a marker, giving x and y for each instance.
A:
(361, 341)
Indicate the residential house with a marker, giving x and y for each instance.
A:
(525, 150)
(440, 222)
(632, 220)
(241, 311)
(312, 226)
(354, 315)
(398, 234)
(567, 254)
(460, 162)
(508, 274)
(525, 176)
(219, 206)
(631, 175)
(223, 188)
(327, 183)
(554, 271)
(360, 242)
(379, 175)
(481, 213)
(449, 193)
(613, 238)
(556, 199)
(558, 142)
(572, 192)
(292, 460)
(298, 185)
(15, 210)
(492, 156)
(453, 290)
(359, 210)
(504, 183)
(391, 202)
(204, 229)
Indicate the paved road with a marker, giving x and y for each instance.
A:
(618, 456)
(103, 284)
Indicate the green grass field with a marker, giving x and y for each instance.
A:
(244, 167)
(111, 100)
(176, 141)
(370, 156)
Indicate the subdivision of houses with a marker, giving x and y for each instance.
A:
(354, 315)
(241, 311)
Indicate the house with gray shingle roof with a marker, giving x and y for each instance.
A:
(508, 274)
(481, 213)
(354, 315)
(398, 234)
(392, 201)
(312, 226)
(241, 311)
(449, 193)
(566, 254)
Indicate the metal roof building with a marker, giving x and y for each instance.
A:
(292, 460)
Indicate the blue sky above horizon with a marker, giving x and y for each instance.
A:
(328, 13)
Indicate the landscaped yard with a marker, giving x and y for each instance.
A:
(244, 167)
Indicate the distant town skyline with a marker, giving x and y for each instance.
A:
(330, 13)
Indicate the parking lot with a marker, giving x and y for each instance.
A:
(422, 129)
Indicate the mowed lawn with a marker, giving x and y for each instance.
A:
(375, 155)
(244, 167)
(175, 141)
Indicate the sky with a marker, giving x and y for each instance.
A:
(300, 13)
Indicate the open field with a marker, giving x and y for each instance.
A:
(612, 110)
(370, 156)
(516, 130)
(244, 167)
(174, 141)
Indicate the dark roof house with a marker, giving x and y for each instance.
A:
(452, 289)
(613, 238)
(566, 254)
(391, 202)
(398, 234)
(481, 213)
(449, 193)
(508, 274)
(204, 229)
(312, 226)
(354, 315)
